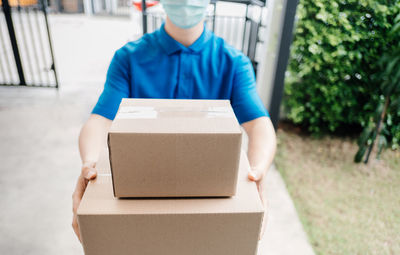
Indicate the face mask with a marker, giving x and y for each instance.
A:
(185, 13)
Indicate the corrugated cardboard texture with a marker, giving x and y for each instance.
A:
(170, 226)
(174, 148)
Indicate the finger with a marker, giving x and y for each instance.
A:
(76, 228)
(80, 188)
(78, 193)
(262, 191)
(263, 227)
(265, 220)
(75, 203)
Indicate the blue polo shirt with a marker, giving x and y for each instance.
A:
(157, 66)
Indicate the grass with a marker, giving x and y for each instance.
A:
(345, 208)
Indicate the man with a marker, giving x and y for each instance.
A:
(180, 60)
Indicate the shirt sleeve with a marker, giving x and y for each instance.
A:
(116, 86)
(246, 102)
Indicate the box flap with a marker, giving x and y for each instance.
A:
(175, 116)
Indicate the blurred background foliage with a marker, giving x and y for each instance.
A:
(344, 72)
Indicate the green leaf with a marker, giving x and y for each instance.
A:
(391, 64)
(397, 19)
(395, 29)
(360, 154)
(382, 143)
(379, 110)
(396, 104)
(365, 135)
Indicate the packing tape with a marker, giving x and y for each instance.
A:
(221, 111)
(136, 112)
(147, 112)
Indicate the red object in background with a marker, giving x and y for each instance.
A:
(138, 4)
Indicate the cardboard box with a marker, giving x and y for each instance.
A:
(174, 148)
(170, 226)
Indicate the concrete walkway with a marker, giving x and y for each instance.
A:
(40, 159)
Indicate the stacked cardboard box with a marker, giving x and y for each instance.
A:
(174, 148)
(170, 225)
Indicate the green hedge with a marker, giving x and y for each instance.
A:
(333, 76)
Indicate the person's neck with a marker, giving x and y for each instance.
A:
(185, 36)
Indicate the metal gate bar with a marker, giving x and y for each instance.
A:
(6, 57)
(53, 65)
(11, 33)
(32, 51)
(41, 43)
(283, 58)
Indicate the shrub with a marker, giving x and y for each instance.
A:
(381, 123)
(334, 76)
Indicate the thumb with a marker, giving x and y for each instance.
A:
(91, 174)
(255, 175)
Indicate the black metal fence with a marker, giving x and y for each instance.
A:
(242, 32)
(119, 8)
(26, 53)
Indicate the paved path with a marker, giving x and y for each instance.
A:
(40, 160)
(284, 234)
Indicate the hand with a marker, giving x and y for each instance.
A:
(88, 172)
(258, 176)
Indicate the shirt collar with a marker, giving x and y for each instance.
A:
(170, 45)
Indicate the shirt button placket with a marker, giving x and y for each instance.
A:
(186, 84)
(181, 83)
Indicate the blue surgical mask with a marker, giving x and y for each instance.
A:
(185, 13)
